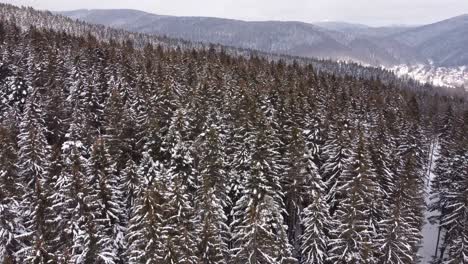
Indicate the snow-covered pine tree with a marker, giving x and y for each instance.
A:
(177, 148)
(131, 182)
(300, 152)
(315, 219)
(396, 230)
(71, 200)
(146, 238)
(444, 178)
(381, 151)
(352, 238)
(78, 99)
(10, 229)
(451, 194)
(180, 223)
(240, 148)
(33, 172)
(212, 198)
(334, 153)
(10, 221)
(119, 125)
(456, 221)
(114, 118)
(258, 229)
(95, 90)
(106, 191)
(411, 169)
(446, 136)
(140, 109)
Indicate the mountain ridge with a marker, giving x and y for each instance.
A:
(389, 46)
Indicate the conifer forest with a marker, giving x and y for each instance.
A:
(119, 147)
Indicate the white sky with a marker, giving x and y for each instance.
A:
(371, 12)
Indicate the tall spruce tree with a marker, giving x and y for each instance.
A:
(10, 214)
(315, 218)
(33, 171)
(72, 200)
(259, 234)
(353, 236)
(106, 191)
(146, 238)
(212, 198)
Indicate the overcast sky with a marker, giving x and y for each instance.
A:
(371, 12)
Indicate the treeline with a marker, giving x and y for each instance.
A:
(111, 154)
(449, 196)
(26, 17)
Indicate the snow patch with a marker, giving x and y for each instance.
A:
(439, 76)
(429, 230)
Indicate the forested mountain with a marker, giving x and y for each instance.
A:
(121, 148)
(292, 38)
(27, 17)
(444, 43)
(422, 50)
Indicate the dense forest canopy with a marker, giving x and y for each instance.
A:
(26, 17)
(115, 153)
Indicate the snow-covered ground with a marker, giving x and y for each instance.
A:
(440, 76)
(430, 230)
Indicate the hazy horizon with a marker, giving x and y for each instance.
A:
(371, 13)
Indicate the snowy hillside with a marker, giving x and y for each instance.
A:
(439, 76)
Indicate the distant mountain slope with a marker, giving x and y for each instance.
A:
(26, 17)
(327, 40)
(442, 43)
(292, 38)
(419, 35)
(362, 30)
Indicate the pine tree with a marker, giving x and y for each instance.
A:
(259, 233)
(298, 173)
(179, 228)
(33, 171)
(410, 169)
(72, 200)
(335, 153)
(177, 150)
(353, 237)
(145, 237)
(10, 220)
(119, 127)
(452, 183)
(445, 178)
(396, 231)
(131, 182)
(212, 197)
(456, 221)
(315, 218)
(106, 191)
